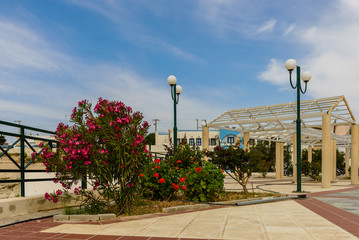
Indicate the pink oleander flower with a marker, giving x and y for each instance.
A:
(58, 192)
(47, 196)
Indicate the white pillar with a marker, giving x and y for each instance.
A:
(278, 167)
(310, 153)
(334, 159)
(205, 138)
(326, 151)
(347, 152)
(354, 165)
(282, 160)
(246, 141)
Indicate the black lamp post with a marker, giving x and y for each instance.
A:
(290, 64)
(175, 92)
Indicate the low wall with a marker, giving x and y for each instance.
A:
(12, 207)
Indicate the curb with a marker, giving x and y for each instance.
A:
(211, 205)
(84, 218)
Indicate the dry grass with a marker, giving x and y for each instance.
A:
(145, 206)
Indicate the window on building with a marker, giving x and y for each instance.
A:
(198, 141)
(191, 141)
(230, 139)
(212, 142)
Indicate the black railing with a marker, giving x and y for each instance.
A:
(159, 155)
(22, 140)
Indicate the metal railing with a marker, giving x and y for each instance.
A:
(159, 155)
(22, 139)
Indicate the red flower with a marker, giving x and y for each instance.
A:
(176, 187)
(156, 175)
(157, 167)
(178, 161)
(182, 179)
(141, 175)
(157, 161)
(184, 187)
(198, 169)
(161, 180)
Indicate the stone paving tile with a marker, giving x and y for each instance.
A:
(350, 205)
(352, 194)
(342, 218)
(301, 219)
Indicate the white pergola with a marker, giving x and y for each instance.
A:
(277, 122)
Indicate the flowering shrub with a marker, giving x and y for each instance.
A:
(161, 180)
(204, 183)
(184, 156)
(183, 172)
(107, 145)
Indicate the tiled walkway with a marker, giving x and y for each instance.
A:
(325, 215)
(340, 207)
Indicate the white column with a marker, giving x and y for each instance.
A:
(347, 152)
(326, 151)
(205, 138)
(246, 141)
(282, 160)
(334, 159)
(354, 165)
(310, 153)
(278, 167)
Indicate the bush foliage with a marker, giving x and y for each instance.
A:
(238, 163)
(106, 145)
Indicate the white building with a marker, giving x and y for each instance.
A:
(194, 138)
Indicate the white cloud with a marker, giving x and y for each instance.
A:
(275, 73)
(139, 33)
(18, 47)
(29, 109)
(267, 26)
(333, 56)
(229, 16)
(289, 29)
(38, 81)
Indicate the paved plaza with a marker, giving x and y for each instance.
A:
(325, 214)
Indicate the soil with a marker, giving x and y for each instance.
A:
(10, 190)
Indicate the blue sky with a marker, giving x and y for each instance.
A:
(225, 55)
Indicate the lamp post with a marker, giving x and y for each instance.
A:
(290, 64)
(175, 92)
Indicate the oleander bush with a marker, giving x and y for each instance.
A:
(107, 146)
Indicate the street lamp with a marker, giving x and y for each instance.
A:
(175, 92)
(290, 64)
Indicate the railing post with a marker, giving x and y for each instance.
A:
(22, 161)
(84, 182)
